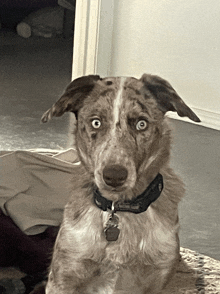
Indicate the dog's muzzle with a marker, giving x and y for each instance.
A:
(115, 175)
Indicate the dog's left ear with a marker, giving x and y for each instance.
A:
(72, 98)
(166, 97)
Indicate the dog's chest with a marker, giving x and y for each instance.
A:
(141, 237)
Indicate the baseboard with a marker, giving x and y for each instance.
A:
(208, 119)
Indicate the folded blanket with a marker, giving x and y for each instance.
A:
(34, 187)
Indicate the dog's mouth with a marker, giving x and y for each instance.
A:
(116, 190)
(118, 187)
(115, 194)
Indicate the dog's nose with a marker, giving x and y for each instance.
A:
(115, 175)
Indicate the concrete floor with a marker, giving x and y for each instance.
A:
(34, 72)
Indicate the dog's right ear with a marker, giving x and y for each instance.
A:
(166, 97)
(72, 98)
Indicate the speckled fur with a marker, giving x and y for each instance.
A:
(144, 257)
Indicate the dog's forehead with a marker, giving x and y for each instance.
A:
(118, 93)
(125, 82)
(119, 87)
(118, 96)
(133, 83)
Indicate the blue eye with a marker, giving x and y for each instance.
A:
(96, 123)
(141, 125)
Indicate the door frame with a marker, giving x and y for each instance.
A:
(92, 37)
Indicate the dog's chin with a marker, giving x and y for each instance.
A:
(115, 194)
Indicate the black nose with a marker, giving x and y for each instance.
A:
(115, 175)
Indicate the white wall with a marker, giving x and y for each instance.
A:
(179, 40)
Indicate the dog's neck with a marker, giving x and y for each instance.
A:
(136, 205)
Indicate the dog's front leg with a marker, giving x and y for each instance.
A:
(62, 281)
(70, 276)
(154, 279)
(84, 277)
(145, 279)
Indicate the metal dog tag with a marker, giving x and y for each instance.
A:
(112, 231)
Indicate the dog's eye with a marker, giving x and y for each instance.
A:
(96, 123)
(141, 125)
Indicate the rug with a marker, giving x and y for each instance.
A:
(196, 273)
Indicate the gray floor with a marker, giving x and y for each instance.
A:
(34, 72)
(196, 158)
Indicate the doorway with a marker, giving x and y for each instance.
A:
(33, 71)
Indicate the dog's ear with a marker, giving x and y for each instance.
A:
(166, 97)
(72, 98)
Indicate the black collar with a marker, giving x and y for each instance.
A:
(137, 205)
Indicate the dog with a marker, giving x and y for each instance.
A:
(119, 232)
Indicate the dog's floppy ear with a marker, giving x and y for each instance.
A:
(166, 97)
(72, 98)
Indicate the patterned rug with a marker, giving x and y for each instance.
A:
(196, 273)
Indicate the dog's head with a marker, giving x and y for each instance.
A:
(121, 135)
